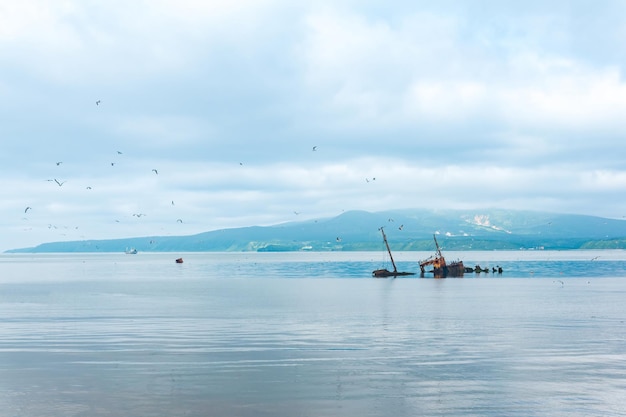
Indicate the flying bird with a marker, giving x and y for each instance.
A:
(112, 163)
(314, 148)
(138, 214)
(172, 202)
(296, 212)
(401, 226)
(155, 171)
(179, 220)
(89, 188)
(27, 208)
(97, 102)
(59, 163)
(119, 153)
(59, 183)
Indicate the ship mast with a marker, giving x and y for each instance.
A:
(389, 250)
(437, 245)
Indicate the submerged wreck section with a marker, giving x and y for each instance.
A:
(385, 273)
(441, 269)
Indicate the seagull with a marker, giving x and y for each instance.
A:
(138, 214)
(296, 212)
(97, 102)
(155, 171)
(59, 163)
(59, 183)
(314, 148)
(27, 208)
(89, 188)
(172, 202)
(112, 163)
(179, 220)
(119, 153)
(338, 239)
(593, 259)
(401, 226)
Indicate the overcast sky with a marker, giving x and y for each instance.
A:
(253, 111)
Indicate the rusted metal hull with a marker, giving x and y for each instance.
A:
(453, 270)
(385, 273)
(441, 269)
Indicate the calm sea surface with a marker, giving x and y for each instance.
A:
(311, 334)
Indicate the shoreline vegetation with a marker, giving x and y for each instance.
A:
(407, 230)
(163, 244)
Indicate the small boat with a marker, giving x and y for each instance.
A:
(441, 269)
(131, 251)
(385, 273)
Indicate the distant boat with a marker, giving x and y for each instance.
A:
(440, 268)
(385, 273)
(131, 251)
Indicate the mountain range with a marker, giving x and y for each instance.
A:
(406, 230)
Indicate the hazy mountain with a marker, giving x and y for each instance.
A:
(410, 229)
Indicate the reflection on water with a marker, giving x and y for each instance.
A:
(238, 335)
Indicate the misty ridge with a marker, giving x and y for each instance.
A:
(406, 230)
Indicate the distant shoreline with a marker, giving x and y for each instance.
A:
(406, 230)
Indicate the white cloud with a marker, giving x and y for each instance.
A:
(164, 130)
(601, 181)
(445, 101)
(76, 42)
(446, 105)
(568, 97)
(421, 69)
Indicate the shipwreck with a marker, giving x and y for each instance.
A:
(439, 267)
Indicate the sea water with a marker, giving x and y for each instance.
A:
(311, 334)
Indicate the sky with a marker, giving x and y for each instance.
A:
(179, 117)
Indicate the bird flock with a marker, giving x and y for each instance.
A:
(60, 180)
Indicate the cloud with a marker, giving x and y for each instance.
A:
(447, 104)
(120, 42)
(379, 74)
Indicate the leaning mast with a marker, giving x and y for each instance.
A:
(388, 250)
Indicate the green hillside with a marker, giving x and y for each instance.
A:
(408, 230)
